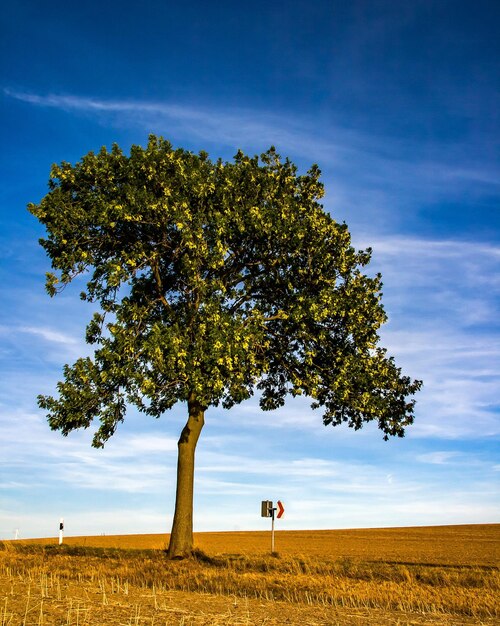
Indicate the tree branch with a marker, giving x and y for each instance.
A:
(156, 272)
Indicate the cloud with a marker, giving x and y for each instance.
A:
(437, 458)
(49, 335)
(442, 299)
(26, 344)
(294, 477)
(305, 467)
(364, 162)
(394, 245)
(106, 475)
(229, 127)
(426, 274)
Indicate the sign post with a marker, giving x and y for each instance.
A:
(61, 528)
(267, 510)
(272, 532)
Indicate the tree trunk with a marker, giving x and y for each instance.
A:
(181, 537)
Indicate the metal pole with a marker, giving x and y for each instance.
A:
(272, 532)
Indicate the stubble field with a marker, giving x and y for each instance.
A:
(445, 575)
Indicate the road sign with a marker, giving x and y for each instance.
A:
(266, 509)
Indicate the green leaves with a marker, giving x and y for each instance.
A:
(213, 279)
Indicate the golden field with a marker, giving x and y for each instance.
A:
(435, 575)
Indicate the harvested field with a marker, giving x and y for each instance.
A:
(320, 577)
(474, 544)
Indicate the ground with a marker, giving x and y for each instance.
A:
(411, 576)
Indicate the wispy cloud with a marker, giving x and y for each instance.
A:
(49, 334)
(437, 458)
(230, 127)
(442, 298)
(370, 159)
(131, 463)
(27, 346)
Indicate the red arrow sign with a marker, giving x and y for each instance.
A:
(281, 509)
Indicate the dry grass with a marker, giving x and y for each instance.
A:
(473, 544)
(360, 577)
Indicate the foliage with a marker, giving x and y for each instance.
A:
(213, 279)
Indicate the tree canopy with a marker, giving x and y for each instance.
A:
(214, 281)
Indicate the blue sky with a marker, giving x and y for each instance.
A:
(398, 104)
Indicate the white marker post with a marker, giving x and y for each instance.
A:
(61, 528)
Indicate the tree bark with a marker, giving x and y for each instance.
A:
(181, 537)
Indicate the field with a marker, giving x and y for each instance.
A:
(437, 575)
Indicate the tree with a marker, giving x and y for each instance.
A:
(214, 280)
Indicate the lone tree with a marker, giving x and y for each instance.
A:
(214, 280)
